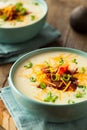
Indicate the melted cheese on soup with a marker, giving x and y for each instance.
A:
(34, 12)
(54, 77)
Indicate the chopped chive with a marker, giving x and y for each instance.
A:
(53, 98)
(32, 17)
(71, 101)
(4, 17)
(75, 61)
(79, 94)
(42, 85)
(83, 70)
(29, 65)
(81, 86)
(54, 77)
(18, 6)
(66, 77)
(23, 11)
(47, 64)
(61, 61)
(50, 97)
(32, 79)
(36, 3)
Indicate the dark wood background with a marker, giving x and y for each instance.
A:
(58, 16)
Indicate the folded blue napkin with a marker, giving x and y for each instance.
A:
(11, 52)
(24, 120)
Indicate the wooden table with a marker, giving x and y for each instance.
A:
(58, 15)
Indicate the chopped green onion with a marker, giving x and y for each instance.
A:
(71, 102)
(19, 6)
(54, 77)
(29, 65)
(81, 86)
(53, 98)
(83, 70)
(42, 85)
(79, 94)
(36, 3)
(50, 97)
(32, 17)
(32, 79)
(66, 77)
(4, 17)
(61, 61)
(23, 11)
(47, 64)
(75, 61)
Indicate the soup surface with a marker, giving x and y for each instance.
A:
(17, 13)
(53, 77)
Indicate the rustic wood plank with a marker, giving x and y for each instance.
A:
(4, 71)
(58, 16)
(2, 108)
(1, 128)
(12, 125)
(76, 40)
(5, 121)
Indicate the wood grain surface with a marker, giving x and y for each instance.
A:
(58, 15)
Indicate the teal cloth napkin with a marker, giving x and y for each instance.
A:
(11, 52)
(24, 121)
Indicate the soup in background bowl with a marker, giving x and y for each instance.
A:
(51, 83)
(21, 20)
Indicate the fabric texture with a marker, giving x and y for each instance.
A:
(24, 121)
(11, 52)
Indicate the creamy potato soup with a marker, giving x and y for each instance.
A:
(53, 77)
(17, 13)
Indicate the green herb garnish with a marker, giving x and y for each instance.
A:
(42, 85)
(61, 61)
(19, 6)
(66, 77)
(83, 70)
(29, 65)
(47, 64)
(79, 94)
(4, 17)
(54, 77)
(23, 11)
(75, 61)
(32, 79)
(36, 3)
(32, 17)
(81, 86)
(71, 101)
(50, 97)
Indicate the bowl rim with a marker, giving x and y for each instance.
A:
(44, 4)
(33, 53)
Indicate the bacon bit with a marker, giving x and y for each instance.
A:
(45, 70)
(72, 87)
(60, 83)
(62, 70)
